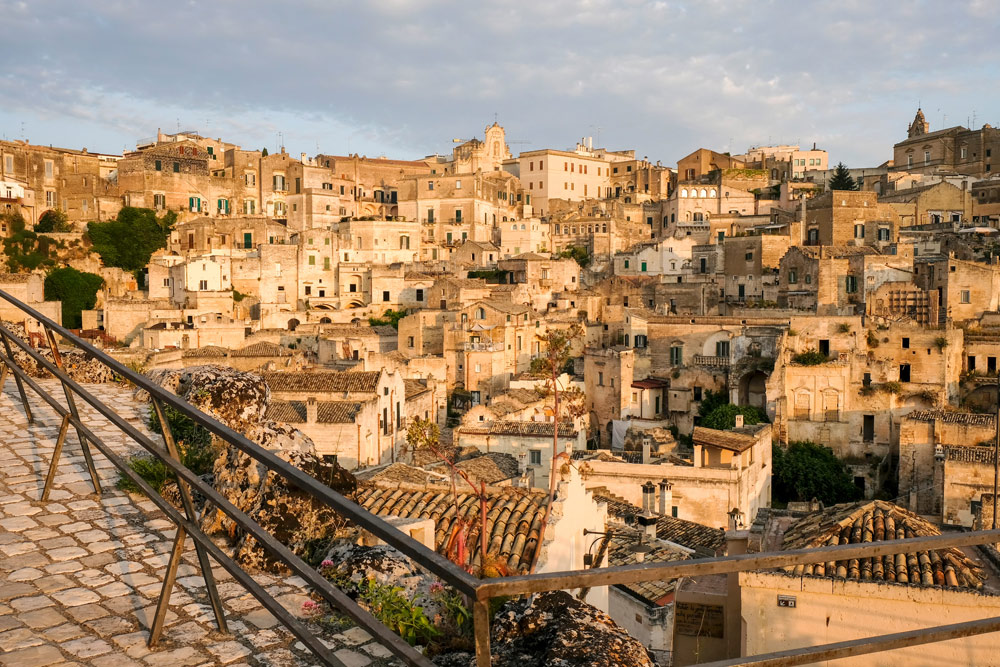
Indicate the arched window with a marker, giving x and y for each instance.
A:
(802, 404)
(605, 227)
(514, 227)
(480, 313)
(699, 216)
(702, 193)
(712, 193)
(523, 227)
(684, 192)
(404, 242)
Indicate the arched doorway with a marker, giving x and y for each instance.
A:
(292, 324)
(753, 389)
(325, 320)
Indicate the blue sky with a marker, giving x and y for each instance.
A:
(403, 77)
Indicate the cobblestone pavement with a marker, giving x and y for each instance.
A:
(80, 575)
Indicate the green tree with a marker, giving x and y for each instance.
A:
(53, 220)
(263, 153)
(77, 291)
(841, 179)
(806, 470)
(130, 239)
(26, 250)
(390, 317)
(578, 253)
(723, 418)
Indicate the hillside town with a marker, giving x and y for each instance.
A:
(619, 359)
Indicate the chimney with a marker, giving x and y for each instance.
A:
(739, 421)
(647, 523)
(648, 491)
(311, 410)
(302, 157)
(646, 450)
(666, 498)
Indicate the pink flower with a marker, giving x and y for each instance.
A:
(436, 587)
(309, 606)
(326, 563)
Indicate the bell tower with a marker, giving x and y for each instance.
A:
(918, 126)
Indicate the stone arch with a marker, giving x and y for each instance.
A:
(802, 404)
(981, 399)
(753, 389)
(831, 405)
(325, 320)
(292, 324)
(708, 347)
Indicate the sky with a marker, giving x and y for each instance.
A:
(402, 78)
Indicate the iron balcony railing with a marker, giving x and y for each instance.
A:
(479, 591)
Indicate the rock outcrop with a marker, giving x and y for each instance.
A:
(78, 364)
(239, 400)
(557, 630)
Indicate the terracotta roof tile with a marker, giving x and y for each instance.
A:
(206, 351)
(327, 412)
(514, 517)
(523, 428)
(737, 440)
(969, 418)
(414, 388)
(323, 381)
(701, 538)
(875, 521)
(262, 349)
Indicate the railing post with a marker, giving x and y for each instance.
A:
(71, 404)
(192, 515)
(56, 453)
(481, 629)
(17, 378)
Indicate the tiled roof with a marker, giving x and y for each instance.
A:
(737, 440)
(969, 454)
(262, 349)
(395, 472)
(327, 412)
(514, 518)
(875, 521)
(968, 418)
(323, 381)
(620, 553)
(414, 388)
(838, 251)
(688, 534)
(206, 351)
(490, 468)
(523, 428)
(336, 330)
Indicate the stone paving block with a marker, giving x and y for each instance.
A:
(353, 658)
(74, 597)
(66, 553)
(11, 640)
(32, 602)
(42, 618)
(87, 647)
(227, 652)
(38, 656)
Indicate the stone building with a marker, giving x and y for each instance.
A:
(954, 150)
(552, 174)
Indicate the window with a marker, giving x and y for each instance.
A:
(385, 295)
(966, 297)
(643, 266)
(905, 343)
(279, 182)
(676, 355)
(158, 165)
(48, 169)
(793, 276)
(8, 163)
(722, 348)
(177, 167)
(883, 234)
(312, 260)
(430, 185)
(851, 284)
(697, 393)
(159, 201)
(420, 295)
(600, 379)
(203, 285)
(626, 263)
(859, 231)
(458, 215)
(458, 185)
(965, 152)
(535, 457)
(927, 157)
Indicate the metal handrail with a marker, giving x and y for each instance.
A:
(480, 591)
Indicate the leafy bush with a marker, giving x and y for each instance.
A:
(402, 615)
(238, 296)
(890, 387)
(53, 221)
(723, 417)
(194, 445)
(810, 358)
(844, 327)
(940, 343)
(25, 250)
(129, 240)
(872, 338)
(76, 289)
(577, 253)
(806, 470)
(390, 317)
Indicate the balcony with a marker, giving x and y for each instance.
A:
(710, 361)
(483, 347)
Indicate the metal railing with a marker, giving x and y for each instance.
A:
(480, 591)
